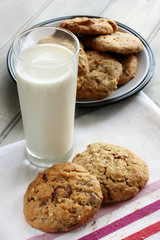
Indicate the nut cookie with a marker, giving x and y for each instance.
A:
(102, 78)
(62, 198)
(85, 25)
(121, 173)
(129, 63)
(119, 42)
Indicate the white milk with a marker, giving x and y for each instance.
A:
(47, 98)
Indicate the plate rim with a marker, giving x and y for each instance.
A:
(95, 103)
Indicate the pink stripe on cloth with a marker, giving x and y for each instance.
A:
(122, 222)
(105, 210)
(145, 232)
(46, 236)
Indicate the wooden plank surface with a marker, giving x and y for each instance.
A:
(143, 16)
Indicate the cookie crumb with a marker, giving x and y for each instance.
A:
(94, 222)
(94, 228)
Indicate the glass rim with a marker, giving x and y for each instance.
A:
(45, 27)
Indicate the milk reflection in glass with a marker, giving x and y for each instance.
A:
(47, 98)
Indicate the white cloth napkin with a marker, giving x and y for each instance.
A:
(133, 123)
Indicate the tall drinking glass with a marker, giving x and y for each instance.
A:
(46, 60)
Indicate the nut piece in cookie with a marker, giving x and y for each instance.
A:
(62, 198)
(85, 25)
(102, 78)
(119, 42)
(121, 173)
(129, 63)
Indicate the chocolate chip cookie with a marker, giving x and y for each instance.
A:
(102, 78)
(85, 25)
(129, 63)
(62, 198)
(119, 42)
(121, 173)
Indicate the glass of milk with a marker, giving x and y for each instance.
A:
(46, 62)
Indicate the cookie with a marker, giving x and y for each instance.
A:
(121, 173)
(119, 42)
(62, 198)
(83, 65)
(59, 39)
(129, 63)
(85, 25)
(102, 78)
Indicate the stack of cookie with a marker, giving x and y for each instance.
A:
(67, 195)
(106, 59)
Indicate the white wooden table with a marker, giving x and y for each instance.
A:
(143, 16)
